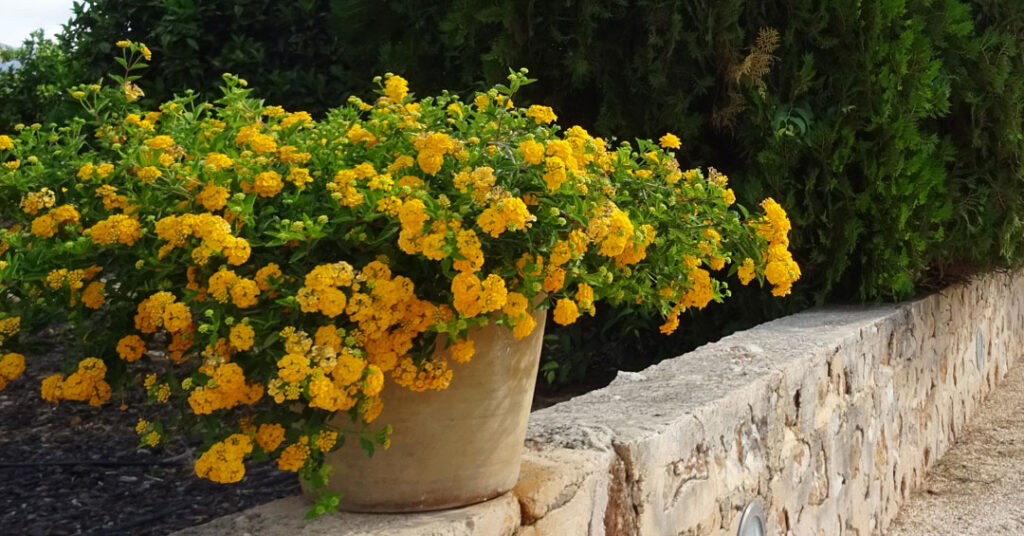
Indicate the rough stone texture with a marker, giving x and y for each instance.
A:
(284, 517)
(831, 417)
(976, 488)
(563, 491)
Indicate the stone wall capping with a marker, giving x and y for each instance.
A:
(284, 517)
(830, 416)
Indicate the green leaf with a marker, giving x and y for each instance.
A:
(326, 503)
(367, 446)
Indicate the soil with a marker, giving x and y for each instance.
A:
(72, 469)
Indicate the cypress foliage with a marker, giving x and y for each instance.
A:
(891, 129)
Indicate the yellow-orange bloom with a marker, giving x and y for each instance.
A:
(293, 457)
(131, 347)
(566, 312)
(270, 436)
(268, 184)
(670, 141)
(241, 337)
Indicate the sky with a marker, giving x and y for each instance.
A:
(18, 18)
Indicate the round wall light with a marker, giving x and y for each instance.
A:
(752, 521)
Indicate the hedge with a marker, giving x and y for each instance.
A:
(891, 129)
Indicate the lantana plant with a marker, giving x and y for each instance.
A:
(268, 271)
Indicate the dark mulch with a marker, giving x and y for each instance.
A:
(75, 469)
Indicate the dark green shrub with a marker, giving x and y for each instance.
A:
(986, 125)
(891, 128)
(305, 54)
(34, 85)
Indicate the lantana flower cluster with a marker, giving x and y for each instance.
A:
(262, 271)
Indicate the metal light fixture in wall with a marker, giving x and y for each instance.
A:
(752, 521)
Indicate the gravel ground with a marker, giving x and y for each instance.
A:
(977, 488)
(75, 469)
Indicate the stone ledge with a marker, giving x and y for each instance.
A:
(830, 417)
(284, 517)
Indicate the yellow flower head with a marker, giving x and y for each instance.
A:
(396, 88)
(213, 197)
(270, 436)
(12, 365)
(160, 142)
(326, 440)
(541, 114)
(268, 184)
(566, 312)
(244, 293)
(533, 151)
(242, 337)
(267, 275)
(293, 457)
(462, 350)
(149, 174)
(745, 272)
(92, 296)
(222, 463)
(670, 141)
(176, 317)
(374, 380)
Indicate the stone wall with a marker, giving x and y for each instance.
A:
(829, 417)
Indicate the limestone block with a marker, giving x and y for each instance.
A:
(284, 517)
(563, 491)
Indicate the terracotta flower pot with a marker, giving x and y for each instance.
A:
(449, 448)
